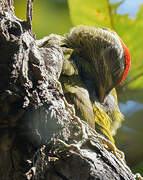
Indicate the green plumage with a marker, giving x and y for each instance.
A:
(106, 118)
(93, 66)
(85, 71)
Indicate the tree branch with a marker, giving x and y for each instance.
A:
(29, 13)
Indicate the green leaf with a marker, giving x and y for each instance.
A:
(90, 12)
(131, 31)
(104, 14)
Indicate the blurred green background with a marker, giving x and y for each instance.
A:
(126, 18)
(49, 16)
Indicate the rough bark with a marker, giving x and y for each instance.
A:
(40, 137)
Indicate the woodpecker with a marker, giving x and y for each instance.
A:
(96, 61)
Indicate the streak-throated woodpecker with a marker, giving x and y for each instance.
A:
(96, 61)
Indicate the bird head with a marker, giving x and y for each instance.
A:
(101, 57)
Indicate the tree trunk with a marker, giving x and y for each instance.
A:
(40, 136)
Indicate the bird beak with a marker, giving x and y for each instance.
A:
(101, 93)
